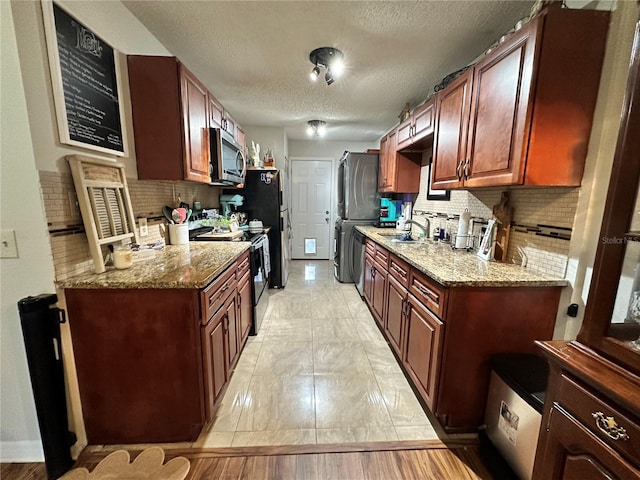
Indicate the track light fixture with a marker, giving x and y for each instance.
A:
(317, 128)
(329, 58)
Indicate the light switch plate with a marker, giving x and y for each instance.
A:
(8, 244)
(144, 228)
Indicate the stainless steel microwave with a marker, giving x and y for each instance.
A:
(228, 165)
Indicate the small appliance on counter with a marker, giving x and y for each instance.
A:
(230, 203)
(390, 211)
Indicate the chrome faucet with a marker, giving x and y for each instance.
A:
(425, 228)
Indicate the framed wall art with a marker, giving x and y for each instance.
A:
(84, 77)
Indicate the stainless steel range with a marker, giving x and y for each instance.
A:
(259, 272)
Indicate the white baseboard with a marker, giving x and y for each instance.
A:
(21, 452)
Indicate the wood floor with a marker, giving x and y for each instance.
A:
(395, 460)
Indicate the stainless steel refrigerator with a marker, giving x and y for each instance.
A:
(264, 200)
(358, 204)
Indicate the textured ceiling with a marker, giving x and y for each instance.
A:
(254, 56)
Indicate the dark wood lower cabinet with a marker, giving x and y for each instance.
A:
(396, 307)
(425, 333)
(153, 364)
(574, 453)
(215, 359)
(446, 336)
(591, 417)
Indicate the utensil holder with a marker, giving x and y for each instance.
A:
(178, 233)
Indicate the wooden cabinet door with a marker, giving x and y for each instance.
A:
(216, 112)
(394, 326)
(423, 121)
(232, 330)
(245, 307)
(378, 292)
(214, 357)
(230, 124)
(571, 452)
(390, 163)
(240, 137)
(195, 120)
(423, 349)
(383, 159)
(404, 136)
(450, 138)
(368, 279)
(500, 114)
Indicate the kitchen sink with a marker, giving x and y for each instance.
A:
(400, 238)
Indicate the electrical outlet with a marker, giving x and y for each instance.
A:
(8, 245)
(144, 228)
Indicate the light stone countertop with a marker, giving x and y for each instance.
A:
(455, 268)
(175, 266)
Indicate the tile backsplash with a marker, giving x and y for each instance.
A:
(553, 207)
(69, 245)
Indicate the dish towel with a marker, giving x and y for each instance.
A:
(266, 256)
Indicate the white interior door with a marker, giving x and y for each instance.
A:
(310, 208)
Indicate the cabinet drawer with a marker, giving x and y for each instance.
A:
(399, 270)
(370, 248)
(382, 257)
(242, 265)
(213, 296)
(583, 404)
(430, 293)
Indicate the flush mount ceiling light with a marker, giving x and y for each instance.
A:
(317, 128)
(329, 58)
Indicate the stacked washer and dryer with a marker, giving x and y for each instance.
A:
(358, 204)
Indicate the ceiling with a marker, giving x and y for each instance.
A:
(254, 56)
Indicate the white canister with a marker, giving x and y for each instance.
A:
(178, 233)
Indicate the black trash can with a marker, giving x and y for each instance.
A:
(514, 408)
(41, 331)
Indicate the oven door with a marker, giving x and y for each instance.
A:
(260, 284)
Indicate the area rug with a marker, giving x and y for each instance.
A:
(146, 466)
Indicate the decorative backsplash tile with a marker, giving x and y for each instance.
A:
(551, 206)
(69, 244)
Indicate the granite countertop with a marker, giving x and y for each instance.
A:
(175, 266)
(459, 268)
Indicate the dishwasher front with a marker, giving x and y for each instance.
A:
(358, 239)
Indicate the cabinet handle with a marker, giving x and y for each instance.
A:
(459, 170)
(226, 323)
(467, 169)
(609, 426)
(401, 272)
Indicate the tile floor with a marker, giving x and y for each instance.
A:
(319, 371)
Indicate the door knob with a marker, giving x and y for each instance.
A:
(327, 212)
(326, 219)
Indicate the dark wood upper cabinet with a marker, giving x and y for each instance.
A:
(417, 128)
(399, 172)
(216, 113)
(452, 124)
(170, 117)
(522, 115)
(195, 127)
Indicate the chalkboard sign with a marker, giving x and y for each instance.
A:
(85, 84)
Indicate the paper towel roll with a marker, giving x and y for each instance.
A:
(463, 229)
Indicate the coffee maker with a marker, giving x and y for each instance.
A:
(390, 212)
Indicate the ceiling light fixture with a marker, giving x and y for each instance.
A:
(317, 128)
(329, 58)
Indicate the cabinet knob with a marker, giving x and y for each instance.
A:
(609, 426)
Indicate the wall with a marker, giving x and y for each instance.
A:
(30, 145)
(269, 137)
(32, 272)
(319, 148)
